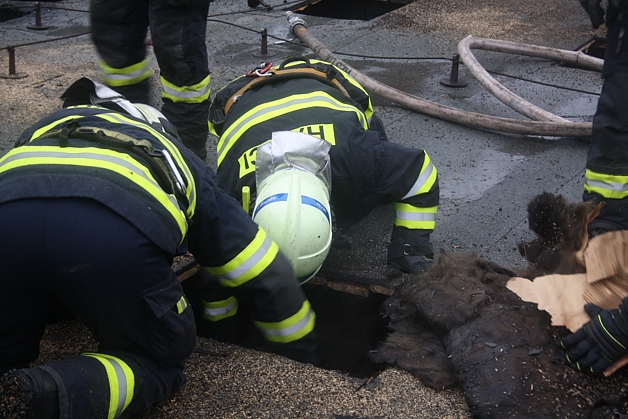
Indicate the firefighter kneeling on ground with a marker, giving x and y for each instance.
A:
(300, 147)
(96, 201)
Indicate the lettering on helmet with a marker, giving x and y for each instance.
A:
(271, 199)
(307, 200)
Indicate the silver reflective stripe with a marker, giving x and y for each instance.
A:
(245, 266)
(415, 216)
(24, 153)
(290, 329)
(122, 384)
(611, 186)
(213, 312)
(126, 76)
(188, 94)
(235, 129)
(420, 181)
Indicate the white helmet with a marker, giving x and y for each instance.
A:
(292, 206)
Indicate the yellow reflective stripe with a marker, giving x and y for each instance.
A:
(218, 310)
(172, 149)
(269, 110)
(350, 79)
(121, 382)
(38, 133)
(293, 328)
(182, 304)
(195, 93)
(249, 263)
(425, 181)
(120, 163)
(415, 218)
(608, 186)
(125, 76)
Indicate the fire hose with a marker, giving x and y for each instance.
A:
(544, 123)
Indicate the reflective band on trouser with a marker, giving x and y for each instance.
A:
(249, 263)
(119, 163)
(290, 329)
(425, 181)
(415, 218)
(182, 304)
(121, 383)
(218, 310)
(607, 186)
(196, 93)
(172, 149)
(126, 76)
(270, 110)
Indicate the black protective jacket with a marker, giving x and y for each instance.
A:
(367, 170)
(108, 156)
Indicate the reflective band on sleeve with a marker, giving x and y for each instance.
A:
(126, 76)
(119, 163)
(425, 181)
(182, 304)
(290, 329)
(219, 310)
(121, 383)
(195, 93)
(270, 110)
(249, 263)
(415, 218)
(607, 186)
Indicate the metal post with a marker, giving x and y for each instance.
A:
(264, 51)
(452, 80)
(37, 24)
(12, 73)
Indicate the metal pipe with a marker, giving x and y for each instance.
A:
(471, 119)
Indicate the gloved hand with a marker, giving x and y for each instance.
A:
(410, 251)
(599, 343)
(594, 10)
(412, 264)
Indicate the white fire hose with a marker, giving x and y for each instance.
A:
(544, 123)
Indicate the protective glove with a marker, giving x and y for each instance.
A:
(410, 251)
(594, 10)
(600, 342)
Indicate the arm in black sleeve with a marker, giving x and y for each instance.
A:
(232, 248)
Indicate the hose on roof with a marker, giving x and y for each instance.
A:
(544, 123)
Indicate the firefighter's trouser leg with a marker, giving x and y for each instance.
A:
(178, 37)
(606, 176)
(119, 31)
(83, 255)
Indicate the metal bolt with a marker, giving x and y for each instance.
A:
(452, 80)
(264, 51)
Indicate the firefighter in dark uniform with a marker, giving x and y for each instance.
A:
(96, 201)
(318, 99)
(177, 29)
(606, 176)
(604, 340)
